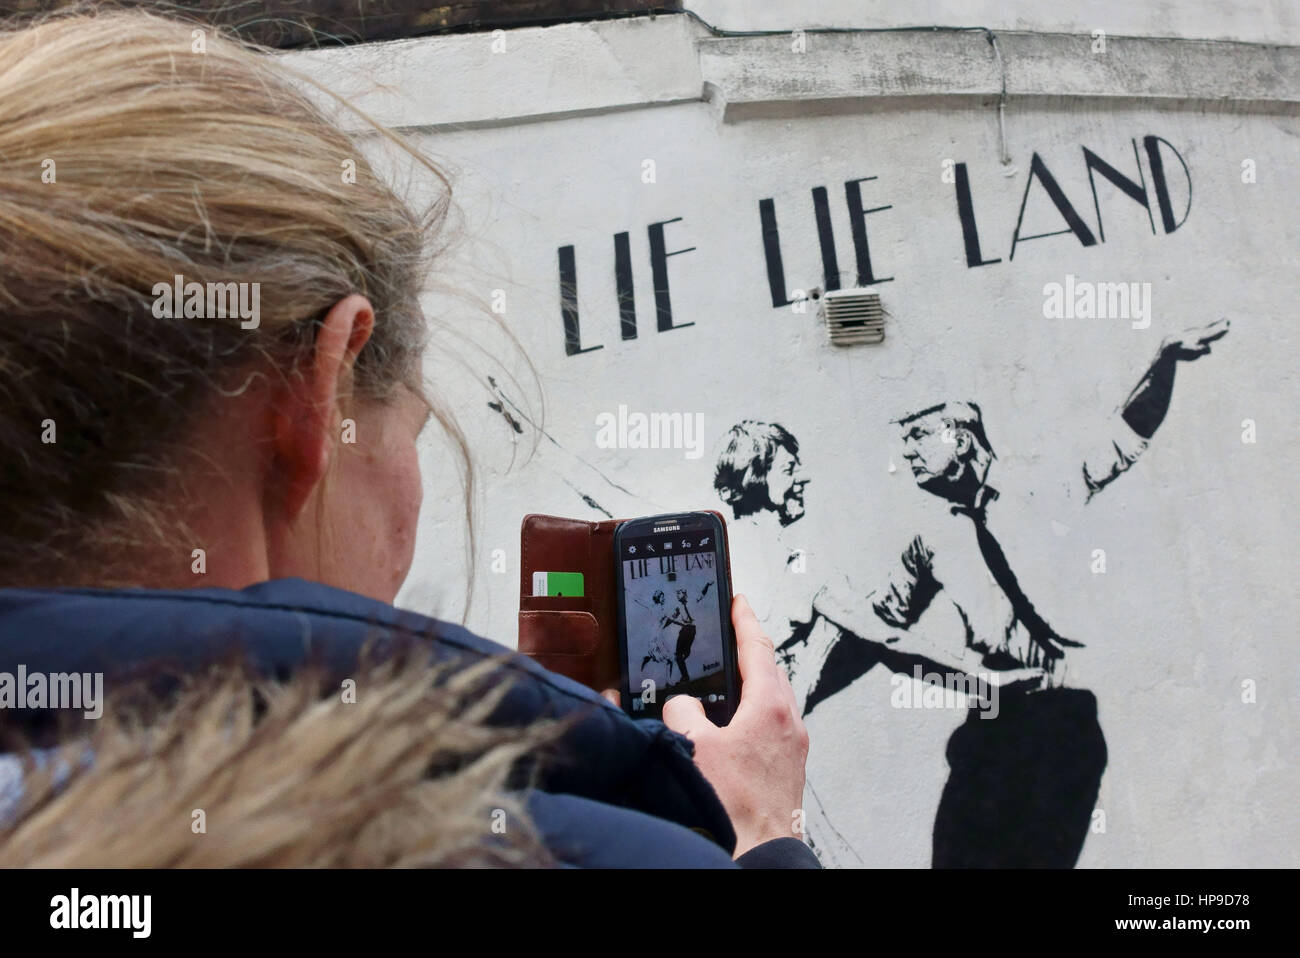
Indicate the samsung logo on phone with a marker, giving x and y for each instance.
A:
(668, 528)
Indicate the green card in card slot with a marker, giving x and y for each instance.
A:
(557, 583)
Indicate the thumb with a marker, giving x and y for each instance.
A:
(685, 714)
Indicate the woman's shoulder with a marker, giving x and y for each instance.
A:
(283, 625)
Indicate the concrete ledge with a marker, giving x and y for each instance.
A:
(577, 69)
(761, 76)
(550, 72)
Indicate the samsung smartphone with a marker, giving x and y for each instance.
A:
(674, 614)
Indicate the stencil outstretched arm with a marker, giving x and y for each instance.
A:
(1147, 405)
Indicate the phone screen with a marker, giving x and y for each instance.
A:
(674, 594)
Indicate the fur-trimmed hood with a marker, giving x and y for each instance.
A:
(633, 782)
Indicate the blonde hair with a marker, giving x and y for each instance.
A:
(129, 157)
(284, 777)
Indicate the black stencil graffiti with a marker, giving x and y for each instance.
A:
(573, 470)
(1039, 178)
(760, 478)
(660, 650)
(1150, 185)
(759, 470)
(659, 255)
(685, 622)
(1023, 781)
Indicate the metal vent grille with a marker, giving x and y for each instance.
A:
(853, 316)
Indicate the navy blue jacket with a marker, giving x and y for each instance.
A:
(624, 794)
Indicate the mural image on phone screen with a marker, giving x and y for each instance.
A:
(674, 614)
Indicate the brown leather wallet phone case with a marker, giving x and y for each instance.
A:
(576, 636)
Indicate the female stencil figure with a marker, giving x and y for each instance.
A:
(658, 651)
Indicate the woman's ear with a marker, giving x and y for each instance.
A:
(306, 408)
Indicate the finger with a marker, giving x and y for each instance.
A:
(613, 696)
(1050, 648)
(685, 714)
(1216, 330)
(755, 653)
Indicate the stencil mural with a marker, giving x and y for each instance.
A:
(1024, 775)
(690, 370)
(1026, 764)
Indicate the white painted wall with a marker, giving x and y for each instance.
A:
(548, 142)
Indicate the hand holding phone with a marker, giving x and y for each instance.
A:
(674, 614)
